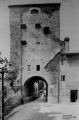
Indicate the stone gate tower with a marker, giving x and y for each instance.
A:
(34, 42)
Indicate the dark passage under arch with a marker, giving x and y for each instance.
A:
(29, 86)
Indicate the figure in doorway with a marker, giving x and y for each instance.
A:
(36, 87)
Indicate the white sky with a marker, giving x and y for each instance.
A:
(69, 22)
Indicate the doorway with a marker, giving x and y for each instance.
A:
(73, 95)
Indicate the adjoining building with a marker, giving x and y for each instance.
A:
(38, 53)
(69, 76)
(68, 83)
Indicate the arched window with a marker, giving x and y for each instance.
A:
(34, 10)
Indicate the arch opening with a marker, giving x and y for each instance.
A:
(36, 86)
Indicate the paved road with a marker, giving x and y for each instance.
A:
(28, 111)
(32, 111)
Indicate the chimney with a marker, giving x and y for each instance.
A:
(66, 45)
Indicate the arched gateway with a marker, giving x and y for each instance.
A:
(29, 86)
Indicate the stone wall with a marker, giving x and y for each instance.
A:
(35, 38)
(15, 36)
(41, 34)
(54, 68)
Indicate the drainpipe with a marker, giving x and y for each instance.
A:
(59, 84)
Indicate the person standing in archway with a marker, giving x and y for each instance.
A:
(36, 87)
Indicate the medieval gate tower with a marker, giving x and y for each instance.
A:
(34, 42)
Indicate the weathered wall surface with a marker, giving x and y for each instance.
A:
(42, 36)
(70, 69)
(53, 67)
(35, 34)
(15, 37)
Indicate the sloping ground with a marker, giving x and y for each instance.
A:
(63, 111)
(14, 102)
(11, 103)
(37, 110)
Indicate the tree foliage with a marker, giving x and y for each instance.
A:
(41, 84)
(11, 75)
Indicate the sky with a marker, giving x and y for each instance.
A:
(69, 22)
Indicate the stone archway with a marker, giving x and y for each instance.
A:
(29, 86)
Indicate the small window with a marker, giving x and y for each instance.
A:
(62, 62)
(38, 43)
(46, 30)
(23, 42)
(29, 67)
(23, 26)
(34, 11)
(73, 95)
(38, 67)
(37, 26)
(62, 77)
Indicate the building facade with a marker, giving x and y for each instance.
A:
(69, 76)
(36, 49)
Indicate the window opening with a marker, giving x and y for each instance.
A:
(23, 26)
(34, 11)
(73, 95)
(38, 43)
(37, 25)
(23, 42)
(38, 67)
(62, 60)
(29, 67)
(46, 30)
(62, 77)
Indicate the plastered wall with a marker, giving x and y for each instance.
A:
(70, 69)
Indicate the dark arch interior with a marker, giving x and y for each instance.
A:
(29, 85)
